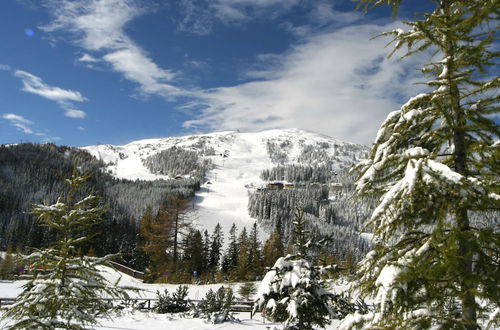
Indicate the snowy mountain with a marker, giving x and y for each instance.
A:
(233, 164)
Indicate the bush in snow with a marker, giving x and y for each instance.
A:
(292, 292)
(247, 289)
(65, 289)
(216, 306)
(175, 303)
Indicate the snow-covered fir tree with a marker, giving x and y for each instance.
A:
(66, 287)
(435, 165)
(293, 292)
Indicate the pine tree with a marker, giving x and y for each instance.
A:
(193, 253)
(254, 258)
(435, 165)
(216, 242)
(206, 249)
(230, 259)
(66, 293)
(241, 270)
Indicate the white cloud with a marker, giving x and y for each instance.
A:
(19, 122)
(338, 83)
(75, 113)
(99, 27)
(35, 85)
(5, 67)
(16, 118)
(64, 97)
(86, 58)
(135, 67)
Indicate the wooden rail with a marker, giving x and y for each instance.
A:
(127, 270)
(236, 306)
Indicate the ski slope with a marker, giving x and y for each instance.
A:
(238, 160)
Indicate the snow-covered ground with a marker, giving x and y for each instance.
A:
(142, 320)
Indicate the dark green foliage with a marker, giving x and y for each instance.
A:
(192, 259)
(33, 173)
(175, 303)
(215, 307)
(247, 290)
(216, 241)
(324, 194)
(230, 259)
(254, 256)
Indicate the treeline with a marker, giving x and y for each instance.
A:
(175, 251)
(299, 173)
(33, 173)
(341, 218)
(329, 212)
(176, 162)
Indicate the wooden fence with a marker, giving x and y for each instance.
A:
(146, 303)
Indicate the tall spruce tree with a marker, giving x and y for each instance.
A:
(193, 253)
(254, 258)
(66, 287)
(216, 242)
(435, 165)
(230, 259)
(241, 270)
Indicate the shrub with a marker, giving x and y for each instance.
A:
(175, 303)
(215, 307)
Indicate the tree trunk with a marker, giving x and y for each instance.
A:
(468, 300)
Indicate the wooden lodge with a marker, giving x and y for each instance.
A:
(275, 186)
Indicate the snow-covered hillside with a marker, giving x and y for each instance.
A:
(237, 162)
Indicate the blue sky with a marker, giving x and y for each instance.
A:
(87, 72)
